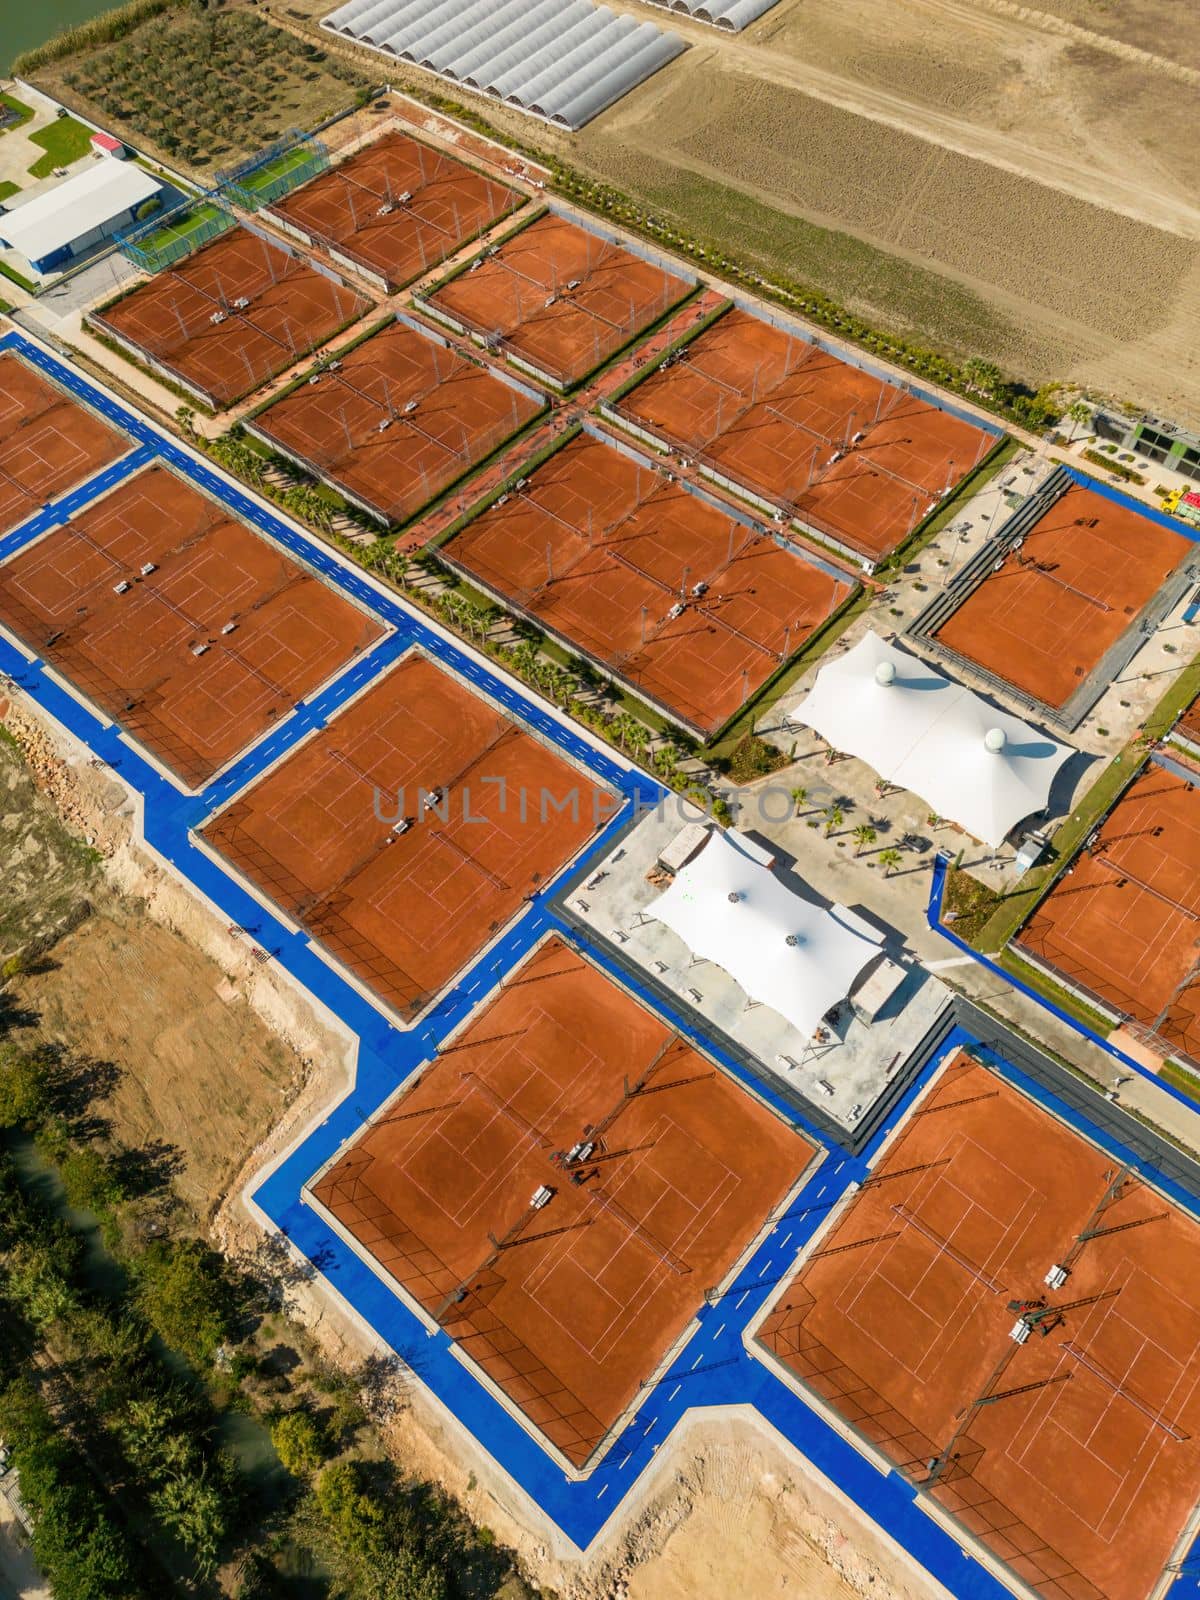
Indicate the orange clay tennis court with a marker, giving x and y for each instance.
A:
(1189, 723)
(900, 1322)
(156, 657)
(601, 549)
(397, 208)
(859, 460)
(570, 1306)
(405, 893)
(1124, 921)
(1046, 618)
(48, 443)
(560, 297)
(232, 316)
(402, 418)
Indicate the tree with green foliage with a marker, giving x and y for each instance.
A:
(982, 377)
(665, 760)
(84, 1552)
(23, 1094)
(380, 1544)
(864, 835)
(183, 1294)
(1080, 414)
(41, 1266)
(299, 1443)
(196, 1511)
(627, 730)
(91, 1179)
(834, 817)
(889, 860)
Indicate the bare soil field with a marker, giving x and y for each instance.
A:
(992, 178)
(129, 970)
(198, 1071)
(47, 877)
(1037, 170)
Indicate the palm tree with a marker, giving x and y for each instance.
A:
(666, 759)
(983, 377)
(890, 859)
(523, 658)
(799, 796)
(377, 557)
(475, 619)
(629, 733)
(834, 817)
(1079, 413)
(864, 835)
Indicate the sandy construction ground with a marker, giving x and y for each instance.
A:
(1012, 181)
(211, 1048)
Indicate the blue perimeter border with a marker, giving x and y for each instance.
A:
(714, 1368)
(1109, 491)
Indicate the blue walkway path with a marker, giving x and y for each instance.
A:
(714, 1367)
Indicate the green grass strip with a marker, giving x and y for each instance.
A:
(64, 140)
(15, 277)
(1180, 1078)
(1063, 998)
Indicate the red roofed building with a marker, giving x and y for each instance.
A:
(104, 144)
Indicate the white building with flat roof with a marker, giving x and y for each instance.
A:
(55, 227)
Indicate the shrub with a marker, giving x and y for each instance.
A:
(91, 1180)
(184, 1296)
(754, 758)
(299, 1443)
(23, 1094)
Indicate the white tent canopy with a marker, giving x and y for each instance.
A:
(785, 952)
(970, 761)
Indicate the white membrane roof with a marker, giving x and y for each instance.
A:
(973, 763)
(785, 951)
